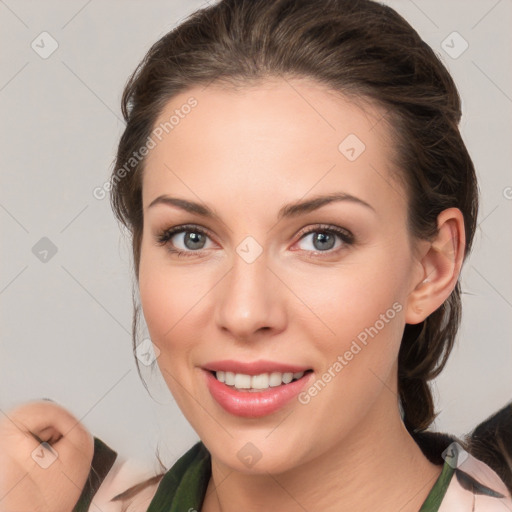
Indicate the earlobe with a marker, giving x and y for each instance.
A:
(440, 265)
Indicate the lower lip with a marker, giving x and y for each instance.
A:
(254, 404)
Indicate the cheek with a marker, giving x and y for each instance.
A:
(174, 314)
(162, 308)
(356, 297)
(165, 293)
(365, 316)
(357, 331)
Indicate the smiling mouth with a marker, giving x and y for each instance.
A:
(257, 383)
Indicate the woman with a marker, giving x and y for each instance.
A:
(300, 202)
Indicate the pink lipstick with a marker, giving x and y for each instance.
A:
(254, 389)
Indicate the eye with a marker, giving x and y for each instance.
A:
(191, 240)
(322, 239)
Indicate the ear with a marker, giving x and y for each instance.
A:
(440, 264)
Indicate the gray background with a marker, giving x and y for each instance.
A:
(65, 322)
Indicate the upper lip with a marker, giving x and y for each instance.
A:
(253, 367)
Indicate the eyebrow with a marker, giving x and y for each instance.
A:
(287, 211)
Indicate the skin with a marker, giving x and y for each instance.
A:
(27, 485)
(245, 154)
(263, 147)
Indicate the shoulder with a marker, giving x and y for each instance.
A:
(183, 484)
(474, 486)
(129, 486)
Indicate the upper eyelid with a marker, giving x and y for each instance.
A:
(325, 227)
(175, 230)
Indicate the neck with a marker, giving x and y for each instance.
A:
(378, 466)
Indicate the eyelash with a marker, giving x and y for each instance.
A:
(163, 237)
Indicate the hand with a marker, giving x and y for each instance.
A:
(42, 477)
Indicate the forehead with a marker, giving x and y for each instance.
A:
(278, 139)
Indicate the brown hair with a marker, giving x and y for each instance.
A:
(362, 49)
(491, 442)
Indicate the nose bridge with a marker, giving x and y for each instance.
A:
(248, 299)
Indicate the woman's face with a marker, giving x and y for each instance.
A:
(264, 280)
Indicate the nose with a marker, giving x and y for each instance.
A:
(250, 300)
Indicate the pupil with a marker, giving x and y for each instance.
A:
(195, 238)
(321, 238)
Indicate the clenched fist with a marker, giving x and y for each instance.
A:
(45, 458)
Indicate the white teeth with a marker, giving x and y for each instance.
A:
(287, 377)
(275, 379)
(242, 381)
(260, 381)
(257, 382)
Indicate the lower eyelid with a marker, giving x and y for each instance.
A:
(344, 244)
(346, 238)
(184, 231)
